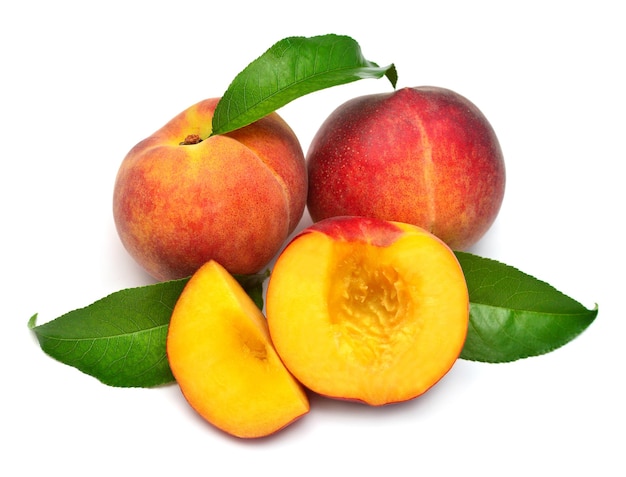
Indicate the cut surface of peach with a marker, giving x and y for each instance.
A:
(367, 310)
(221, 355)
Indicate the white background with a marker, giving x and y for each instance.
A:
(82, 82)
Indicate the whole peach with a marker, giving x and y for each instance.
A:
(425, 156)
(183, 197)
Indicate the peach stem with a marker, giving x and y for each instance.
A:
(191, 139)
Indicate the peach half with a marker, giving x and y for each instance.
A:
(221, 355)
(368, 310)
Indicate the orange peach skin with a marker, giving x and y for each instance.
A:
(425, 156)
(233, 198)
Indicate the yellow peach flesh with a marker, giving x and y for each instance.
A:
(222, 357)
(378, 324)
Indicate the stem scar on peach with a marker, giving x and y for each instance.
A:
(368, 310)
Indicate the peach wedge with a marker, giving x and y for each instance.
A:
(220, 353)
(367, 310)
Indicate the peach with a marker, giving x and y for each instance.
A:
(368, 310)
(221, 355)
(425, 156)
(183, 197)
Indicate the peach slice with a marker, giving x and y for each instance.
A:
(221, 355)
(367, 310)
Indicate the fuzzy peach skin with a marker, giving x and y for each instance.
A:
(425, 156)
(183, 197)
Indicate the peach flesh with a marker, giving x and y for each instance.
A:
(221, 355)
(367, 310)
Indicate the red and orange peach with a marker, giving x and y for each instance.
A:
(183, 197)
(425, 156)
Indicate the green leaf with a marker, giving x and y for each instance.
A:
(291, 68)
(121, 339)
(253, 285)
(514, 315)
